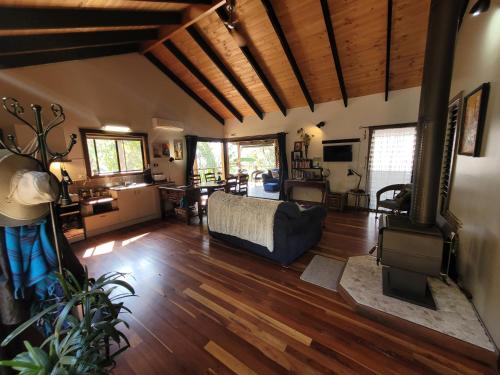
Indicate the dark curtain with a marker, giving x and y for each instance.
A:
(283, 163)
(191, 142)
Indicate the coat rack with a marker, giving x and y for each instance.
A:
(47, 156)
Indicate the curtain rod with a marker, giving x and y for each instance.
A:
(402, 125)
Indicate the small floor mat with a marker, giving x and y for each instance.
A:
(324, 272)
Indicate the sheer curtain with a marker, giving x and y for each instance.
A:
(391, 157)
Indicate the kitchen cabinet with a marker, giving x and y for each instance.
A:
(134, 205)
(101, 223)
(139, 204)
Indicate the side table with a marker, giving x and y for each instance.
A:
(359, 196)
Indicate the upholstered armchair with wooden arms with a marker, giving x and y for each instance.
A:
(400, 201)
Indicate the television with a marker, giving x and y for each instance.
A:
(337, 153)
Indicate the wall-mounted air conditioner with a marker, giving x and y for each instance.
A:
(175, 126)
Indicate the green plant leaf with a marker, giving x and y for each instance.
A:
(28, 323)
(17, 365)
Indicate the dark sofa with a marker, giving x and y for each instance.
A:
(295, 232)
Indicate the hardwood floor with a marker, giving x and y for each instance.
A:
(207, 308)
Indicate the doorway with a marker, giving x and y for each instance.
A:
(391, 156)
(259, 159)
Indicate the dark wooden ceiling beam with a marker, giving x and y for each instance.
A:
(202, 78)
(388, 49)
(191, 2)
(256, 67)
(333, 46)
(56, 18)
(46, 57)
(202, 43)
(41, 42)
(288, 52)
(154, 60)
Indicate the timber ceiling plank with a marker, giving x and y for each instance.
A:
(267, 49)
(172, 63)
(360, 32)
(304, 26)
(285, 45)
(225, 46)
(185, 43)
(409, 32)
(156, 62)
(202, 42)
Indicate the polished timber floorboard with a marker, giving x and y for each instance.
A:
(207, 308)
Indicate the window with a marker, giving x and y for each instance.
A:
(450, 145)
(108, 154)
(209, 158)
(392, 150)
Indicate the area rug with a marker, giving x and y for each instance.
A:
(324, 272)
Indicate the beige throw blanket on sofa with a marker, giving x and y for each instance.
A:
(251, 219)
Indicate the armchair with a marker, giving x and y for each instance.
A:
(400, 201)
(271, 184)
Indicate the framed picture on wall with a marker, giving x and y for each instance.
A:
(165, 150)
(471, 134)
(157, 150)
(297, 155)
(178, 150)
(297, 146)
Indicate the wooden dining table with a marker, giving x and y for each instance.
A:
(210, 187)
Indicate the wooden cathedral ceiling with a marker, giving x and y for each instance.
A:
(257, 79)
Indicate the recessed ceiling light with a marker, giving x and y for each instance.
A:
(117, 128)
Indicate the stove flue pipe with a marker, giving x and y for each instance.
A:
(432, 118)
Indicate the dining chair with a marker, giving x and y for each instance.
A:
(195, 180)
(232, 185)
(243, 184)
(210, 177)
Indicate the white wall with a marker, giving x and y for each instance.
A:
(125, 89)
(474, 195)
(341, 123)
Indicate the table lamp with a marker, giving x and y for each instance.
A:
(351, 172)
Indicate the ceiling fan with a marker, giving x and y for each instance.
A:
(232, 23)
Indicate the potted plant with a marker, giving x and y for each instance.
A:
(306, 139)
(86, 337)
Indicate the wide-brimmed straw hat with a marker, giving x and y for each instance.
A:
(25, 190)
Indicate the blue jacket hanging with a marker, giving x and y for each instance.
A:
(32, 258)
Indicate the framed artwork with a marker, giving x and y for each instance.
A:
(471, 133)
(297, 155)
(297, 146)
(165, 150)
(157, 150)
(178, 150)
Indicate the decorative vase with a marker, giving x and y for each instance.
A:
(306, 149)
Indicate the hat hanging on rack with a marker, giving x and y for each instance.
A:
(25, 190)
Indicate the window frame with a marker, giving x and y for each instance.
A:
(90, 133)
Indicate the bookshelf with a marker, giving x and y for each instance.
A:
(303, 169)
